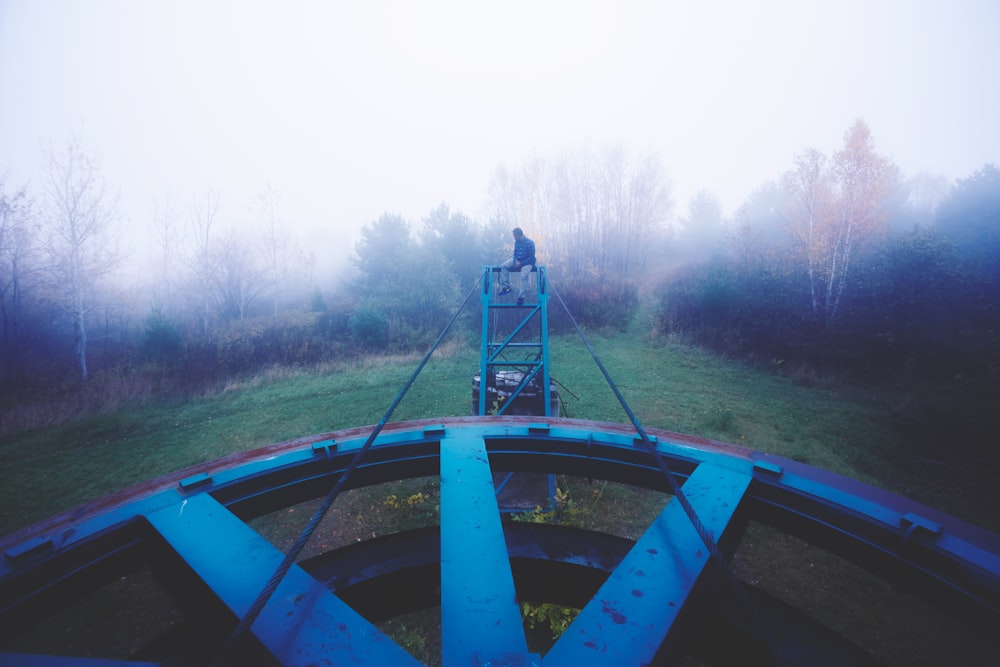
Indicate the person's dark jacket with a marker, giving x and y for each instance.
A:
(524, 251)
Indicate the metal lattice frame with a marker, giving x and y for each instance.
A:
(649, 601)
(520, 347)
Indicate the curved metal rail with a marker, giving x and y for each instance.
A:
(651, 601)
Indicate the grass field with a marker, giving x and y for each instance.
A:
(848, 430)
(48, 470)
(842, 429)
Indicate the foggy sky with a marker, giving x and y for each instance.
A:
(349, 110)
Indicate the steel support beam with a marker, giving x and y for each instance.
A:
(194, 520)
(635, 612)
(480, 615)
(304, 622)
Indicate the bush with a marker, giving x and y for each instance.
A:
(414, 295)
(759, 313)
(596, 303)
(370, 329)
(161, 341)
(291, 339)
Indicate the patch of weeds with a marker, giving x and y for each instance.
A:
(564, 512)
(411, 501)
(720, 420)
(541, 618)
(547, 619)
(419, 633)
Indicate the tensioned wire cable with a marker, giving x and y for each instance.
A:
(253, 612)
(293, 553)
(675, 488)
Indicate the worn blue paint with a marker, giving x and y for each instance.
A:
(480, 615)
(632, 614)
(945, 561)
(304, 623)
(495, 345)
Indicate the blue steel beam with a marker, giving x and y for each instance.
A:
(304, 622)
(490, 351)
(633, 614)
(526, 312)
(480, 615)
(543, 300)
(951, 564)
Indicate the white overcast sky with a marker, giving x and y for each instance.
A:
(351, 109)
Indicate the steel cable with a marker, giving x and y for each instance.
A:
(675, 488)
(293, 553)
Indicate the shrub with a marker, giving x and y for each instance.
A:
(752, 313)
(370, 329)
(161, 340)
(596, 303)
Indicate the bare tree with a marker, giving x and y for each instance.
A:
(589, 212)
(198, 257)
(757, 232)
(237, 279)
(275, 244)
(650, 204)
(18, 263)
(80, 236)
(166, 233)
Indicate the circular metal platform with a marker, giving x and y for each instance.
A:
(652, 600)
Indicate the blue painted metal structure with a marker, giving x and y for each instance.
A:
(514, 351)
(642, 602)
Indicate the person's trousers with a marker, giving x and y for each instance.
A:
(525, 270)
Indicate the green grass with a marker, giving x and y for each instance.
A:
(675, 387)
(49, 470)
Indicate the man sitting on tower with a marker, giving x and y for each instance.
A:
(523, 261)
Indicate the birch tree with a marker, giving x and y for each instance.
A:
(836, 208)
(810, 197)
(864, 181)
(80, 236)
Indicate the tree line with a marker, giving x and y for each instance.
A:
(842, 268)
(221, 301)
(836, 265)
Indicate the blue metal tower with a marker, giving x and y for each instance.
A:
(514, 352)
(514, 359)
